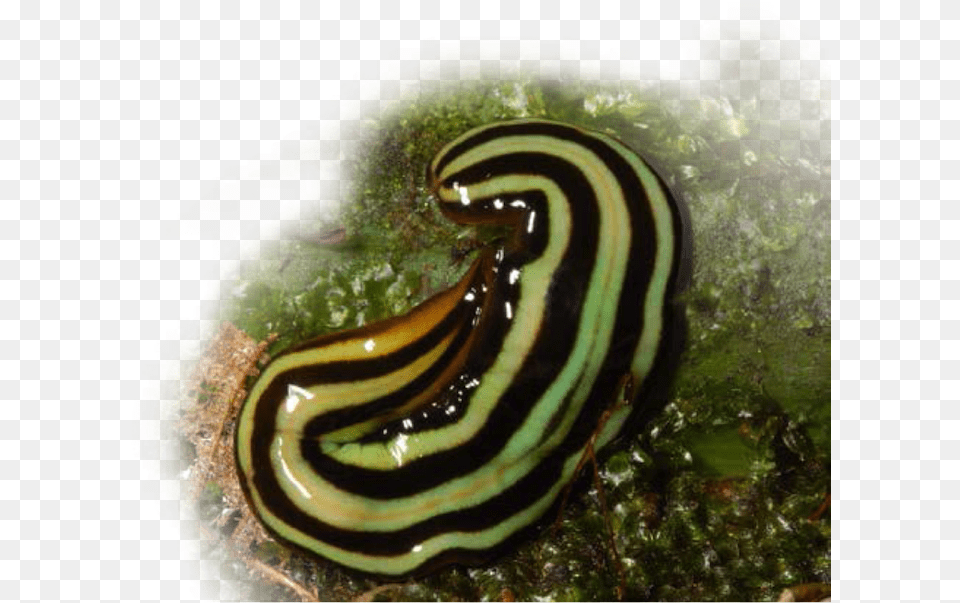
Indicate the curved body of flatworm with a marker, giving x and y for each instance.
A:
(441, 436)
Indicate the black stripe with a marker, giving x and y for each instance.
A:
(629, 322)
(399, 542)
(310, 375)
(533, 128)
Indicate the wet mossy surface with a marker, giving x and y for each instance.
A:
(720, 496)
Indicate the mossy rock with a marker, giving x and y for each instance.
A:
(713, 499)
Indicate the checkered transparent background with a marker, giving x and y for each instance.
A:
(147, 147)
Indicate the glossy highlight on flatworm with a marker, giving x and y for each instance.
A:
(444, 435)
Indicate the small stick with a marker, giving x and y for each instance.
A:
(626, 386)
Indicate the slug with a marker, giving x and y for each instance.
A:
(443, 436)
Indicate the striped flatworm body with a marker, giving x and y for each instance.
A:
(442, 436)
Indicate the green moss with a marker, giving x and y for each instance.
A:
(711, 500)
